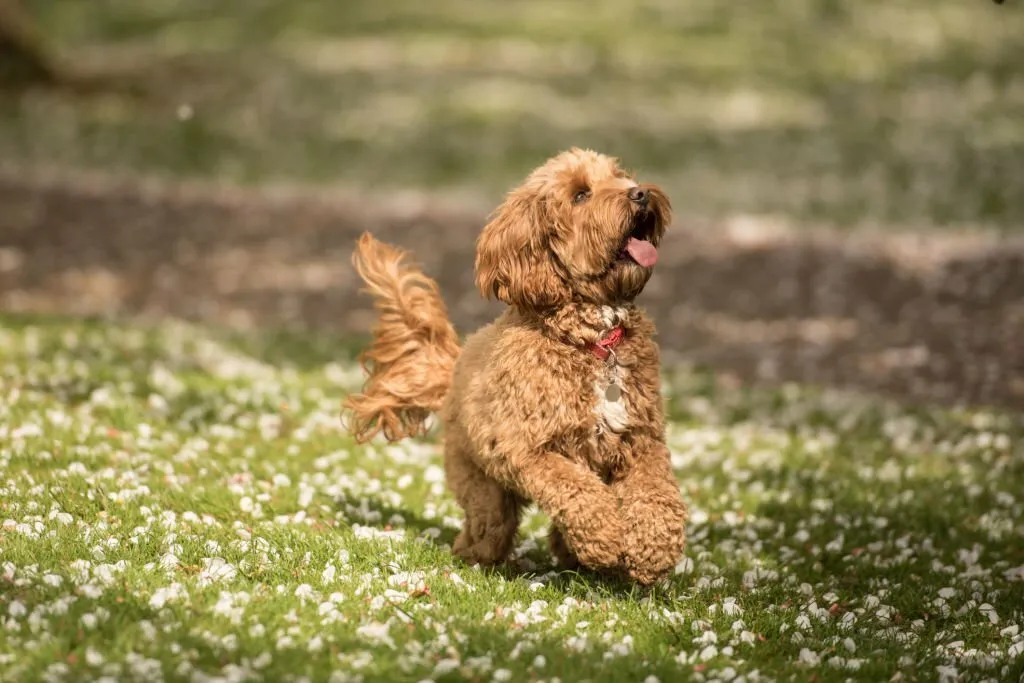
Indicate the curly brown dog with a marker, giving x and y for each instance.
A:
(558, 400)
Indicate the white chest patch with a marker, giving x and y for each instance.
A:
(611, 415)
(612, 316)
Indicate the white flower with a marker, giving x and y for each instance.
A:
(484, 663)
(990, 612)
(577, 643)
(376, 632)
(502, 675)
(412, 581)
(731, 608)
(846, 623)
(338, 676)
(808, 657)
(216, 570)
(685, 566)
(621, 649)
(445, 666)
(168, 561)
(166, 594)
(62, 517)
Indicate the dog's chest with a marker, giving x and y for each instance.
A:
(616, 408)
(612, 393)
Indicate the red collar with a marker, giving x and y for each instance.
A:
(605, 346)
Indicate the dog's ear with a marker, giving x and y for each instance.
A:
(513, 259)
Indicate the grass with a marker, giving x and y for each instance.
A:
(177, 505)
(908, 112)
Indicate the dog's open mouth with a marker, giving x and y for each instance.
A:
(637, 245)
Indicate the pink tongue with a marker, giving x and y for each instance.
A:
(643, 252)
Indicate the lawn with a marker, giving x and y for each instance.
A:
(895, 112)
(182, 504)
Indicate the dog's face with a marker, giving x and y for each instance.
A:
(579, 228)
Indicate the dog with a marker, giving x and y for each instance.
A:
(558, 400)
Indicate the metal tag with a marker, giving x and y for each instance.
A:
(613, 393)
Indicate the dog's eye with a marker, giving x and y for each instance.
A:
(580, 196)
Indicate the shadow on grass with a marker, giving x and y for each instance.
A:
(370, 510)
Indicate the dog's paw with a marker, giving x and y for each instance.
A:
(601, 555)
(646, 576)
(655, 539)
(648, 568)
(602, 547)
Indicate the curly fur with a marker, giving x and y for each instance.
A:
(414, 347)
(522, 403)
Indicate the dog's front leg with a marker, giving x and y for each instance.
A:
(578, 503)
(653, 511)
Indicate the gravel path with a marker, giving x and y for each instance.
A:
(937, 320)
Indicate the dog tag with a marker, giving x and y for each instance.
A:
(613, 393)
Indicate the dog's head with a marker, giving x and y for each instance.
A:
(579, 229)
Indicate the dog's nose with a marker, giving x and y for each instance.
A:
(639, 195)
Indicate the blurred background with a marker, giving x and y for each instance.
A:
(847, 176)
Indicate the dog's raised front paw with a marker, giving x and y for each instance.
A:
(600, 545)
(655, 538)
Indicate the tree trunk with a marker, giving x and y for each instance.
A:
(24, 58)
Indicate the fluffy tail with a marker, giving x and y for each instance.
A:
(410, 361)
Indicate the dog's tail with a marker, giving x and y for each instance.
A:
(410, 362)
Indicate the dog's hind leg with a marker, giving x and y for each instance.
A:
(492, 513)
(560, 550)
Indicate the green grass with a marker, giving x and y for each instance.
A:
(181, 501)
(895, 112)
